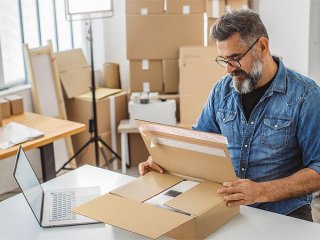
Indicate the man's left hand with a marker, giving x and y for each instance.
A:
(241, 192)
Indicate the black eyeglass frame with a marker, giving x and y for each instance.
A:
(226, 62)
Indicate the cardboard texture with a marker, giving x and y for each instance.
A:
(5, 107)
(185, 6)
(75, 82)
(138, 151)
(111, 75)
(16, 104)
(197, 65)
(199, 156)
(162, 35)
(215, 8)
(211, 21)
(110, 111)
(232, 5)
(144, 7)
(71, 60)
(146, 71)
(74, 72)
(171, 75)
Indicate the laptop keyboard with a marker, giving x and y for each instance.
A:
(62, 203)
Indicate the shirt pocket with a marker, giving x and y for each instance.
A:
(226, 120)
(275, 131)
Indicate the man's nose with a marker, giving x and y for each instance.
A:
(230, 68)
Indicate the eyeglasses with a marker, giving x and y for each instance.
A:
(235, 63)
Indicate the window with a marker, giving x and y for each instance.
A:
(32, 22)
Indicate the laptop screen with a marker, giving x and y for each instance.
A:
(28, 183)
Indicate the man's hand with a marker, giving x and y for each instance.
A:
(148, 166)
(241, 192)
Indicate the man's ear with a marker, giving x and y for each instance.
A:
(263, 45)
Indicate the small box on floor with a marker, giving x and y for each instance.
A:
(16, 104)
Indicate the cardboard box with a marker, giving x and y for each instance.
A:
(185, 6)
(171, 75)
(146, 71)
(197, 63)
(111, 75)
(71, 60)
(211, 21)
(111, 109)
(5, 107)
(138, 151)
(175, 97)
(144, 7)
(159, 111)
(215, 8)
(234, 5)
(160, 36)
(74, 72)
(16, 104)
(184, 155)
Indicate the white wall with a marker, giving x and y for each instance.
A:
(287, 23)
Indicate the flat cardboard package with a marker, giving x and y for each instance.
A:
(111, 109)
(184, 155)
(144, 7)
(215, 8)
(160, 36)
(197, 65)
(16, 104)
(5, 107)
(185, 6)
(74, 72)
(171, 75)
(146, 71)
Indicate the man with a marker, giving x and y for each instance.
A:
(270, 116)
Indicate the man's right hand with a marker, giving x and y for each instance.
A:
(148, 166)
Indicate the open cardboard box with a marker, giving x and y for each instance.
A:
(185, 155)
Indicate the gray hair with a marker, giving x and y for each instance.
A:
(247, 23)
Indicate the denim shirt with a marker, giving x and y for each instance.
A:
(281, 136)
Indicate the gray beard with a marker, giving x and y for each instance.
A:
(248, 82)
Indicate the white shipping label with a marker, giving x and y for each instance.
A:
(145, 64)
(186, 9)
(144, 11)
(215, 8)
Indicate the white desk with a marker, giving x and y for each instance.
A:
(17, 221)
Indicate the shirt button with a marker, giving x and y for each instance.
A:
(224, 119)
(252, 123)
(246, 146)
(242, 169)
(275, 126)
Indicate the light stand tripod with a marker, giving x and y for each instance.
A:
(93, 126)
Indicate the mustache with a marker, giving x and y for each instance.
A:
(239, 72)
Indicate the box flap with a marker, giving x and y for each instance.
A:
(76, 82)
(147, 186)
(198, 199)
(71, 60)
(133, 216)
(100, 93)
(188, 152)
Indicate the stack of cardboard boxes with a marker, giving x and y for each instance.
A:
(155, 31)
(111, 104)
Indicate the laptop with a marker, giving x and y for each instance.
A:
(51, 208)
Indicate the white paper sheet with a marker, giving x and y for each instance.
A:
(16, 133)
